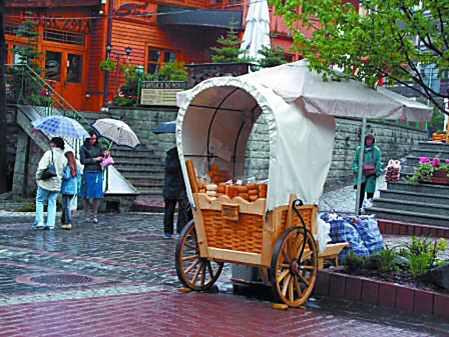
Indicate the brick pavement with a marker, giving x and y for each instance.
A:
(117, 278)
(169, 313)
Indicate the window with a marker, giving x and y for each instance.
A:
(53, 61)
(64, 37)
(74, 68)
(157, 57)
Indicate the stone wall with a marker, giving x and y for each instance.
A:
(395, 141)
(12, 131)
(144, 120)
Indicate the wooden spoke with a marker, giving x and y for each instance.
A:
(284, 273)
(306, 281)
(285, 285)
(298, 287)
(204, 274)
(294, 279)
(188, 258)
(290, 289)
(197, 273)
(190, 268)
(188, 244)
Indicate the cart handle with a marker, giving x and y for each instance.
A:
(295, 205)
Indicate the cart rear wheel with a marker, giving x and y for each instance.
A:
(294, 266)
(194, 271)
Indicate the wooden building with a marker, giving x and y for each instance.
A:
(76, 35)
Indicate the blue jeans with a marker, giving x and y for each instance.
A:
(66, 212)
(42, 196)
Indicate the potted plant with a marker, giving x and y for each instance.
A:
(431, 171)
(108, 65)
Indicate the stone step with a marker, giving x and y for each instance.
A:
(412, 206)
(150, 193)
(140, 154)
(426, 198)
(430, 153)
(419, 188)
(433, 146)
(147, 168)
(147, 183)
(141, 172)
(409, 217)
(138, 162)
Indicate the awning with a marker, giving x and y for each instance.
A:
(185, 16)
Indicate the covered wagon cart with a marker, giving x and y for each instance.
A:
(274, 227)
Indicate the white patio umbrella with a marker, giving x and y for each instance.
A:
(257, 29)
(117, 132)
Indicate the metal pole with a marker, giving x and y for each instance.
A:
(108, 52)
(360, 171)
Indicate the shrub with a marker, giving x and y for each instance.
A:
(386, 260)
(108, 65)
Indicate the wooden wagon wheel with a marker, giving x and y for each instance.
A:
(194, 271)
(294, 266)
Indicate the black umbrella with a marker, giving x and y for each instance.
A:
(165, 127)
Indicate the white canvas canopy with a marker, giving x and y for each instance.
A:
(215, 119)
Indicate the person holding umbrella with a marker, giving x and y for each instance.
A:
(49, 178)
(91, 155)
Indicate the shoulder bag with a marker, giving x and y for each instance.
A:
(50, 171)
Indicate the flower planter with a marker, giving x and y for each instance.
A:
(440, 177)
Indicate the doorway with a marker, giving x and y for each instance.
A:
(64, 70)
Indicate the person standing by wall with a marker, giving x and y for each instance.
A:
(49, 178)
(174, 193)
(69, 189)
(372, 168)
(91, 155)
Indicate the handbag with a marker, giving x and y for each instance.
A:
(369, 169)
(50, 171)
(107, 161)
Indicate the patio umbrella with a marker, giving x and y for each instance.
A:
(60, 126)
(257, 29)
(165, 127)
(117, 132)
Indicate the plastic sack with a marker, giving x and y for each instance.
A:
(323, 237)
(368, 229)
(107, 161)
(342, 231)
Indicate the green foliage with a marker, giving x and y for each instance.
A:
(437, 121)
(378, 41)
(386, 260)
(108, 65)
(172, 72)
(28, 53)
(353, 262)
(271, 56)
(424, 171)
(422, 254)
(228, 49)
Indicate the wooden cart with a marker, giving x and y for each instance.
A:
(238, 231)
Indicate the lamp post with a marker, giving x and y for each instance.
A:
(128, 51)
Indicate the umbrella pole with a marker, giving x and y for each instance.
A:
(360, 171)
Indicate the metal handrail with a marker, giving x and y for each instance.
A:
(56, 97)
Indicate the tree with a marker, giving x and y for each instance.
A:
(228, 49)
(3, 126)
(271, 57)
(390, 39)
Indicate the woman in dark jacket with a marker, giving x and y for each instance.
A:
(91, 156)
(174, 192)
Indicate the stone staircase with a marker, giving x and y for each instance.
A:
(415, 203)
(142, 167)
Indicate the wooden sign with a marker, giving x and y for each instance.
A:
(160, 92)
(230, 212)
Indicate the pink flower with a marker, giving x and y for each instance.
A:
(423, 160)
(447, 161)
(436, 162)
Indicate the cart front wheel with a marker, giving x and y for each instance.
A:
(194, 271)
(294, 266)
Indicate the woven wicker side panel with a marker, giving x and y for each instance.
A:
(245, 235)
(306, 215)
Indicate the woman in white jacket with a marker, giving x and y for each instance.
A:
(48, 189)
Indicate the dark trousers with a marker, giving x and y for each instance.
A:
(362, 194)
(184, 214)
